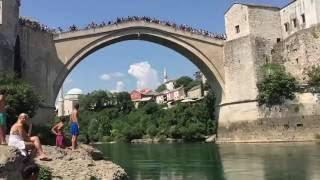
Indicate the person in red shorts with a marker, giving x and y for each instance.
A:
(58, 131)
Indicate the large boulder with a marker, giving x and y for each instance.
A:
(81, 164)
(65, 164)
(211, 139)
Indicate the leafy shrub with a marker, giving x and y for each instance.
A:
(44, 173)
(152, 131)
(313, 74)
(93, 178)
(106, 139)
(21, 97)
(276, 86)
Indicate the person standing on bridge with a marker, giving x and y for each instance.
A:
(74, 126)
(3, 124)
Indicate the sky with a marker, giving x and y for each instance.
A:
(134, 64)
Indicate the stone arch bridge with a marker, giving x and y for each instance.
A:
(46, 59)
(205, 52)
(232, 67)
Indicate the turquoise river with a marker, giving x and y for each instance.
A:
(300, 161)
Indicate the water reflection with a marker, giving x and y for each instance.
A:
(218, 162)
(271, 161)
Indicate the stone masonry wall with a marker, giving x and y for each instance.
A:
(297, 120)
(8, 34)
(237, 16)
(36, 49)
(265, 23)
(298, 52)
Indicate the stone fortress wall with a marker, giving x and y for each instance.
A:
(258, 35)
(8, 30)
(28, 51)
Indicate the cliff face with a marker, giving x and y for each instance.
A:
(85, 163)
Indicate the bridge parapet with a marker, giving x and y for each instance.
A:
(138, 24)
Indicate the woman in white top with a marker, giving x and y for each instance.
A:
(21, 140)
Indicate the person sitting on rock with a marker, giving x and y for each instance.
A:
(20, 139)
(58, 131)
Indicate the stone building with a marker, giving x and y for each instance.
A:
(195, 92)
(273, 23)
(258, 35)
(66, 103)
(298, 15)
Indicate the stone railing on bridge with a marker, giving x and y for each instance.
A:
(145, 19)
(137, 24)
(36, 26)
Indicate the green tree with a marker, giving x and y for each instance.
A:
(183, 81)
(314, 75)
(193, 84)
(21, 97)
(161, 88)
(276, 86)
(93, 130)
(124, 103)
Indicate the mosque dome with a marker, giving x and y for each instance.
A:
(75, 91)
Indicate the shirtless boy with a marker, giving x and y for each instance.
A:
(74, 126)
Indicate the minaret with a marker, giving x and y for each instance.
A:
(165, 75)
(61, 103)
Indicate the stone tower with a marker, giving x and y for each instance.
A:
(9, 17)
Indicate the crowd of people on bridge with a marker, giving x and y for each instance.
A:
(146, 19)
(34, 25)
(40, 27)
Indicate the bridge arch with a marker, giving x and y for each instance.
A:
(73, 47)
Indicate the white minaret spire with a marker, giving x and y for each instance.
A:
(165, 75)
(61, 103)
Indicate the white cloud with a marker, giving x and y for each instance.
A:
(146, 76)
(119, 87)
(117, 74)
(109, 76)
(105, 77)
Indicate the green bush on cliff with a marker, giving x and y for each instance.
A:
(276, 87)
(21, 97)
(313, 74)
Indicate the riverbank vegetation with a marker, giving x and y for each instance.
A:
(313, 76)
(276, 86)
(106, 116)
(20, 97)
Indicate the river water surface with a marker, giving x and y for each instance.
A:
(216, 162)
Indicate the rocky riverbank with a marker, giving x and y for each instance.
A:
(85, 163)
